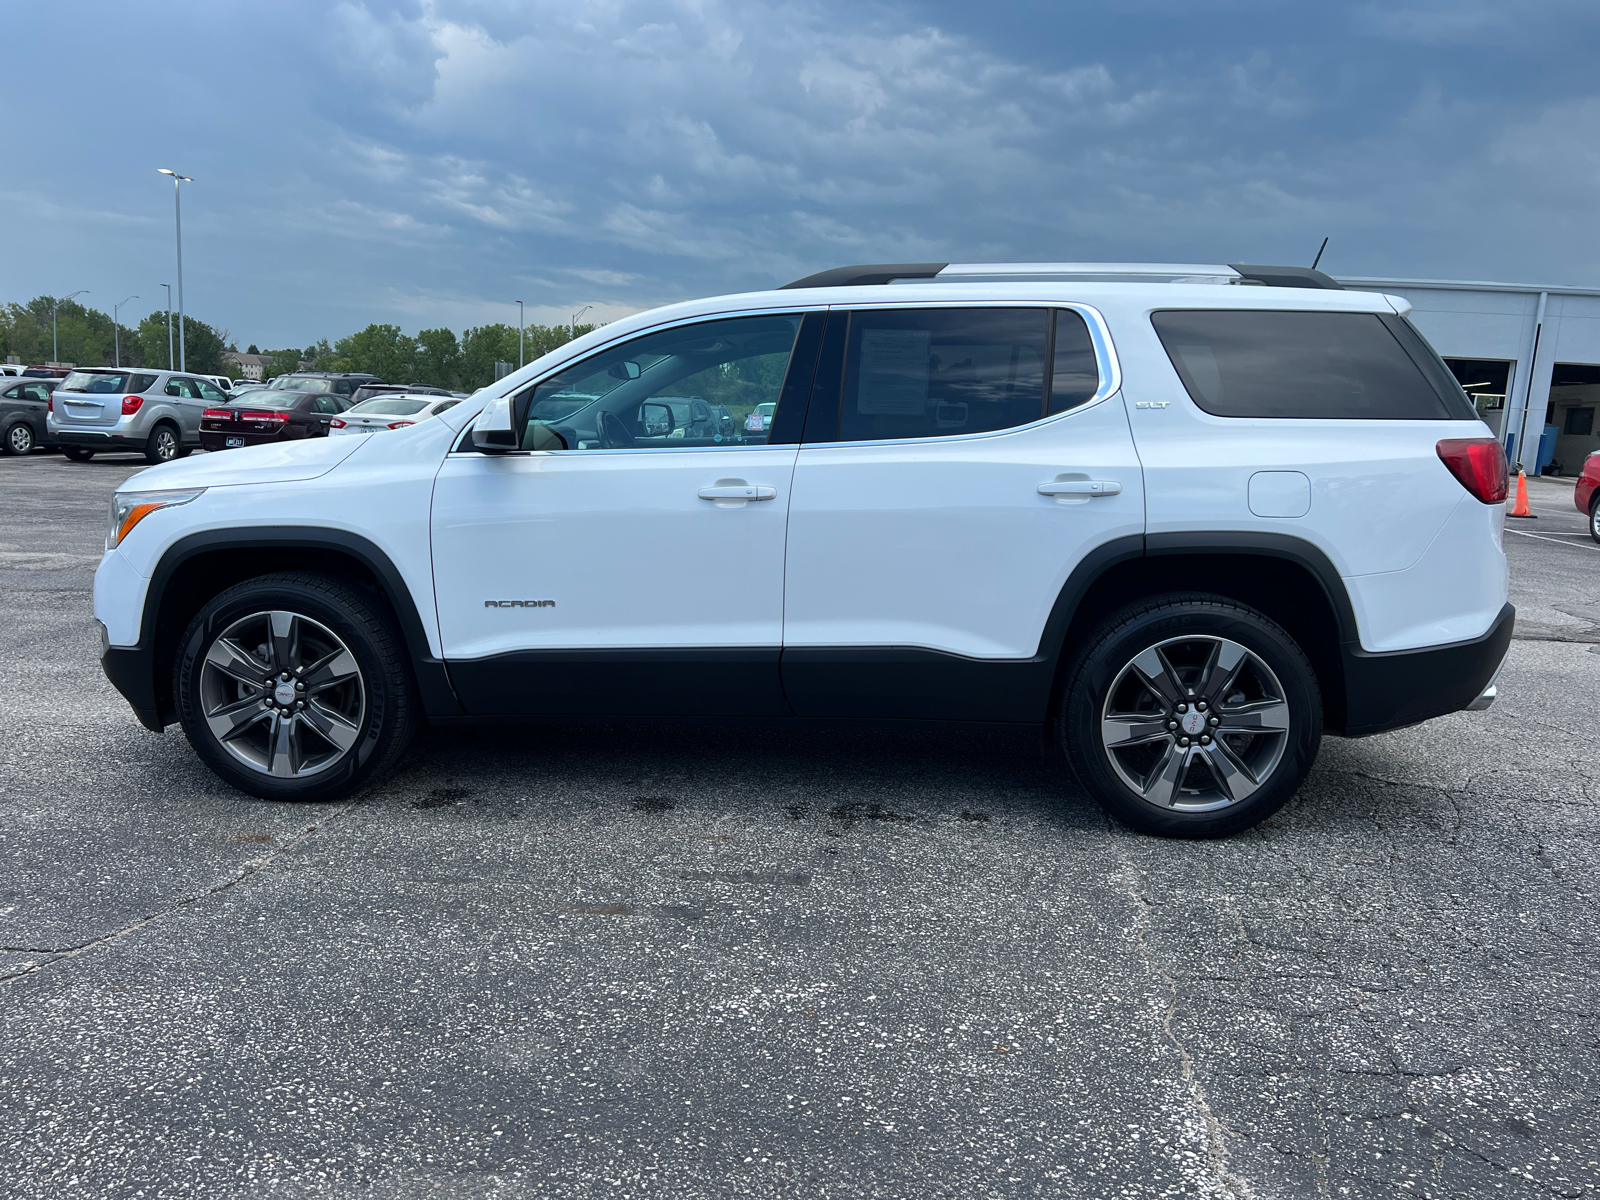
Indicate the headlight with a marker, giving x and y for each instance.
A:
(129, 508)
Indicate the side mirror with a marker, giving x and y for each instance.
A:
(655, 419)
(494, 432)
(626, 369)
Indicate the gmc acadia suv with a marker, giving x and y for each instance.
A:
(1184, 519)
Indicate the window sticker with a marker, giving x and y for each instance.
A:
(894, 372)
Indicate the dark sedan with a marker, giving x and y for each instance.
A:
(23, 404)
(260, 418)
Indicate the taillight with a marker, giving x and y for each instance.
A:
(276, 417)
(337, 423)
(400, 424)
(217, 414)
(130, 405)
(1479, 465)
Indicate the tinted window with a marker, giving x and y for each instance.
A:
(35, 391)
(934, 372)
(183, 388)
(13, 392)
(326, 404)
(1298, 364)
(653, 392)
(96, 381)
(1075, 376)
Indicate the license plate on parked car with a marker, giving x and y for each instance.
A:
(227, 442)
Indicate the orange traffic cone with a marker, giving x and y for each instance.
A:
(1520, 508)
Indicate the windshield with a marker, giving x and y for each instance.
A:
(385, 406)
(299, 383)
(255, 399)
(96, 381)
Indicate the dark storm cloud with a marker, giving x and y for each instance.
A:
(429, 163)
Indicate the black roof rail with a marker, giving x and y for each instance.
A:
(1293, 277)
(867, 273)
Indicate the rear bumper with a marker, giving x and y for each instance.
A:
(211, 439)
(102, 441)
(1388, 691)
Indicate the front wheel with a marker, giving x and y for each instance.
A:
(18, 439)
(1190, 716)
(1594, 516)
(295, 686)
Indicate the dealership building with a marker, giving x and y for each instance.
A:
(1527, 354)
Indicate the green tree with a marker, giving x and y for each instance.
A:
(486, 345)
(438, 361)
(252, 349)
(151, 337)
(380, 350)
(283, 363)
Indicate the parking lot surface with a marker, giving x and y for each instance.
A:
(739, 961)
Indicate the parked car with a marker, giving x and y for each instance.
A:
(1586, 495)
(691, 417)
(389, 412)
(723, 421)
(1182, 528)
(368, 390)
(104, 409)
(12, 369)
(339, 383)
(40, 372)
(24, 407)
(264, 417)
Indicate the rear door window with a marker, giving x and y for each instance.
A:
(1352, 366)
(208, 391)
(891, 374)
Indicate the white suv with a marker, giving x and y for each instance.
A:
(1183, 522)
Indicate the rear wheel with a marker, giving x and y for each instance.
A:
(1594, 516)
(1190, 716)
(295, 687)
(162, 445)
(77, 453)
(18, 439)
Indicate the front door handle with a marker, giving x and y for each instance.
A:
(1080, 487)
(740, 491)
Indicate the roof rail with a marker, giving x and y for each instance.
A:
(1236, 273)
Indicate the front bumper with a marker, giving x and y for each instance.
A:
(131, 670)
(1389, 691)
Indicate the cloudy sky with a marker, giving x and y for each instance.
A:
(430, 163)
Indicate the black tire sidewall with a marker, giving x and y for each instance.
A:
(333, 608)
(1118, 641)
(1594, 515)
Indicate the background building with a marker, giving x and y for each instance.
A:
(1529, 354)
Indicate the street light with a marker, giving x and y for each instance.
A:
(168, 286)
(572, 330)
(55, 347)
(177, 209)
(521, 357)
(116, 329)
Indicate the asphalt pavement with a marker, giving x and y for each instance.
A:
(721, 961)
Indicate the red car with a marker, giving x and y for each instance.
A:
(262, 417)
(1587, 494)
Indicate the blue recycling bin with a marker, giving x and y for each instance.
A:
(1547, 448)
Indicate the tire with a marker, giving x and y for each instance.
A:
(1203, 663)
(346, 728)
(77, 453)
(163, 444)
(185, 451)
(19, 440)
(1594, 516)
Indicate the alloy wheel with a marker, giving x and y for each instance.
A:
(166, 445)
(20, 438)
(1195, 723)
(282, 694)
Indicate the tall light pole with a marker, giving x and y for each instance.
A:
(55, 347)
(168, 286)
(521, 357)
(177, 209)
(572, 330)
(116, 330)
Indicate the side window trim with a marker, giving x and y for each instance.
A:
(827, 396)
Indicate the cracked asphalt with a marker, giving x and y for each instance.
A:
(708, 962)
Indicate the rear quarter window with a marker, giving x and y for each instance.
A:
(1351, 366)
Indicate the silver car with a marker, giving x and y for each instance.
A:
(120, 409)
(389, 412)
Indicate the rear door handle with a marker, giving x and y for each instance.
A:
(1080, 487)
(742, 491)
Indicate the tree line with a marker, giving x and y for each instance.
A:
(433, 357)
